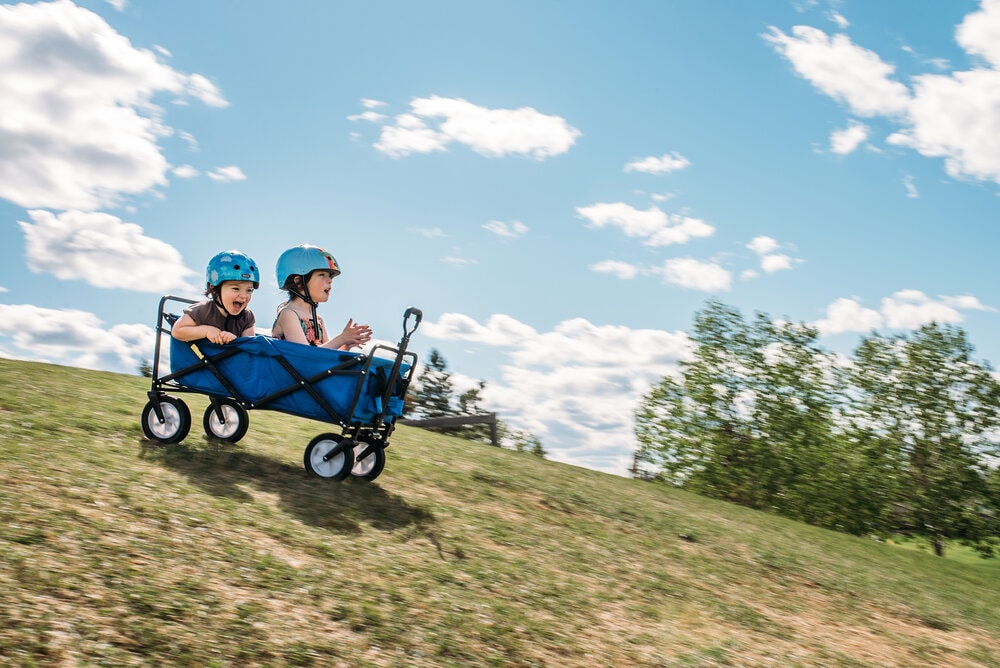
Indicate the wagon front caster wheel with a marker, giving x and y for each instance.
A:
(233, 424)
(176, 420)
(329, 456)
(369, 461)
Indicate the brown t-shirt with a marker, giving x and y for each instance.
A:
(207, 313)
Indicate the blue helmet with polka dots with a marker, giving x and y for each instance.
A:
(231, 265)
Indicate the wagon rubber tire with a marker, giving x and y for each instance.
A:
(236, 421)
(371, 466)
(176, 424)
(337, 467)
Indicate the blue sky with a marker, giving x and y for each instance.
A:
(558, 186)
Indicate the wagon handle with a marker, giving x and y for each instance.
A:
(417, 314)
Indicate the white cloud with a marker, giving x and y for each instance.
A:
(434, 122)
(227, 174)
(104, 251)
(574, 387)
(967, 302)
(843, 142)
(770, 261)
(622, 270)
(185, 172)
(844, 71)
(979, 32)
(72, 337)
(370, 116)
(500, 330)
(80, 129)
(512, 231)
(653, 225)
(848, 315)
(762, 245)
(954, 116)
(839, 19)
(691, 273)
(911, 189)
(909, 309)
(368, 103)
(662, 165)
(775, 262)
(905, 309)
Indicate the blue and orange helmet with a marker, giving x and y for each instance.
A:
(303, 260)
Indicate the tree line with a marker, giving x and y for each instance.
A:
(903, 436)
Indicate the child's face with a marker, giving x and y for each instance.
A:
(319, 285)
(235, 295)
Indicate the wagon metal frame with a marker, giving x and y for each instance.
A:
(376, 388)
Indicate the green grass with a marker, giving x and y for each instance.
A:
(119, 552)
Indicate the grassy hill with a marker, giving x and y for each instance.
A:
(118, 552)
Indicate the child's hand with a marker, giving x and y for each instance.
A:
(354, 335)
(216, 335)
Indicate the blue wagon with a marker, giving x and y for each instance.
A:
(360, 393)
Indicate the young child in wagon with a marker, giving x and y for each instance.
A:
(230, 279)
(306, 272)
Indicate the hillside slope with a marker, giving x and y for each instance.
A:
(116, 551)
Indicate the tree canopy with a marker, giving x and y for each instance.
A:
(897, 438)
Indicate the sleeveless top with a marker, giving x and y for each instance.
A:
(307, 327)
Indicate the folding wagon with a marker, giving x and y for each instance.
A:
(360, 393)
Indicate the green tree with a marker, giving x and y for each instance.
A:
(930, 414)
(432, 391)
(520, 440)
(751, 419)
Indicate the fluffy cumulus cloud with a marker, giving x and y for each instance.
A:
(73, 338)
(905, 309)
(839, 68)
(688, 272)
(653, 226)
(574, 387)
(104, 251)
(847, 140)
(435, 122)
(954, 116)
(770, 260)
(79, 126)
(848, 315)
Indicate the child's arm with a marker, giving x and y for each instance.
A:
(186, 329)
(288, 324)
(352, 336)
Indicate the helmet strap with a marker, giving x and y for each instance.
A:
(304, 296)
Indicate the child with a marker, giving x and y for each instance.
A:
(231, 278)
(307, 273)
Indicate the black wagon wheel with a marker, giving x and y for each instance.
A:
(329, 456)
(176, 420)
(369, 461)
(234, 421)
